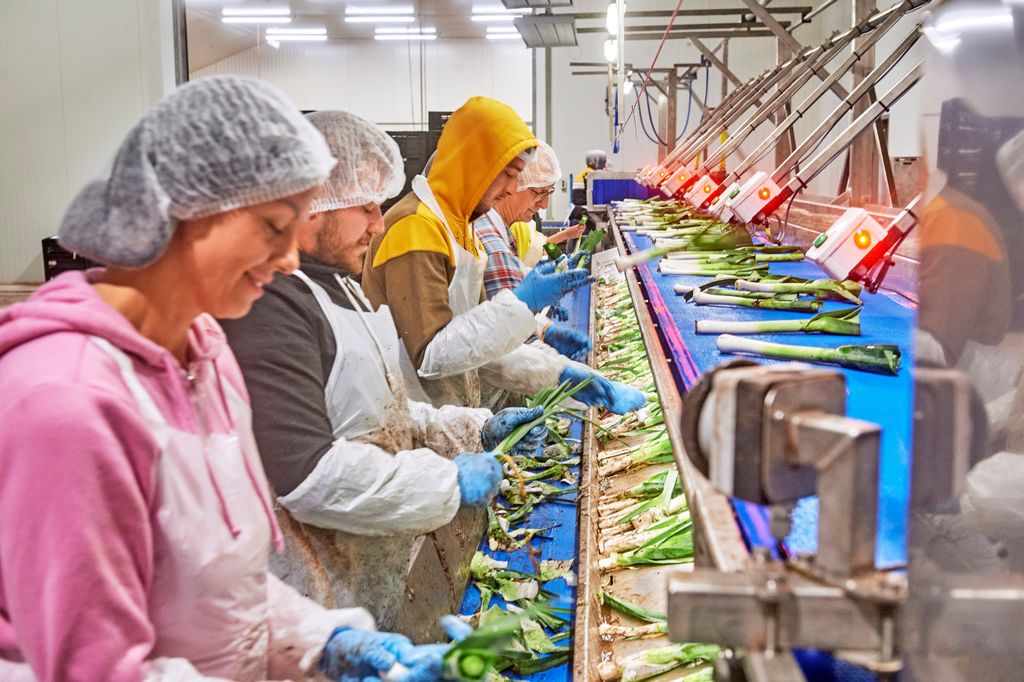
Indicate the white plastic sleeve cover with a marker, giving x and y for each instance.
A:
(359, 488)
(478, 336)
(448, 430)
(299, 628)
(526, 370)
(536, 249)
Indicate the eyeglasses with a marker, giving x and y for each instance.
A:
(540, 194)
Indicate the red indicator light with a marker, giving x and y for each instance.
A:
(682, 178)
(862, 238)
(707, 189)
(764, 193)
(662, 174)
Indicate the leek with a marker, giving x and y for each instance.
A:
(674, 545)
(877, 358)
(651, 663)
(550, 399)
(845, 322)
(820, 287)
(704, 298)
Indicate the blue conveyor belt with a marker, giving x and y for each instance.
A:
(875, 398)
(563, 538)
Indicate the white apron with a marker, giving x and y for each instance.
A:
(366, 402)
(211, 539)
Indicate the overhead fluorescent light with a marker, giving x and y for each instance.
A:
(295, 39)
(378, 9)
(504, 36)
(405, 36)
(316, 31)
(538, 4)
(393, 19)
(613, 18)
(256, 20)
(380, 19)
(497, 9)
(493, 17)
(404, 30)
(502, 29)
(261, 11)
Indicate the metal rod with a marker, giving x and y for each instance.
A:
(681, 27)
(692, 12)
(713, 33)
(715, 61)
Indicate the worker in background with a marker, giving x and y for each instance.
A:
(505, 267)
(135, 519)
(596, 159)
(428, 268)
(343, 446)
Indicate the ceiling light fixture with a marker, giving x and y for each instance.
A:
(378, 9)
(503, 29)
(614, 18)
(611, 49)
(404, 30)
(405, 36)
(296, 38)
(316, 31)
(256, 12)
(393, 19)
(503, 36)
(255, 20)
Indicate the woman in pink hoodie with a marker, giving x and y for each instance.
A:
(135, 519)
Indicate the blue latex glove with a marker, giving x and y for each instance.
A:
(498, 427)
(542, 286)
(570, 342)
(479, 476)
(360, 656)
(558, 312)
(626, 399)
(598, 393)
(426, 662)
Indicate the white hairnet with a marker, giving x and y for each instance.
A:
(542, 170)
(596, 159)
(210, 146)
(370, 167)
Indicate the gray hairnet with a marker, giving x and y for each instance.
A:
(212, 145)
(370, 167)
(596, 159)
(542, 170)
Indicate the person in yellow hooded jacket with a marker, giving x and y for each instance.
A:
(428, 267)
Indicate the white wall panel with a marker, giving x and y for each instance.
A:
(381, 80)
(75, 77)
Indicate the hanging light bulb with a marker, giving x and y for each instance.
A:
(611, 49)
(614, 18)
(628, 87)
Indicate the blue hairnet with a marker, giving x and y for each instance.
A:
(212, 145)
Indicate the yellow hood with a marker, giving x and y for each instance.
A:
(479, 140)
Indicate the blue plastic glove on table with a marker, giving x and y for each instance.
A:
(479, 476)
(543, 287)
(426, 662)
(360, 656)
(498, 427)
(570, 342)
(600, 392)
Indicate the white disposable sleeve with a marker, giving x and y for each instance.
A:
(526, 370)
(536, 249)
(299, 628)
(478, 336)
(448, 430)
(359, 488)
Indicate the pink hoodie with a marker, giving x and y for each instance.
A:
(77, 491)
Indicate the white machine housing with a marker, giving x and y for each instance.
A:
(701, 190)
(672, 184)
(843, 246)
(753, 196)
(720, 206)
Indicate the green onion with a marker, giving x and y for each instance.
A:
(845, 322)
(672, 546)
(877, 358)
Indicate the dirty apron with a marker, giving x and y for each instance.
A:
(463, 295)
(211, 538)
(366, 402)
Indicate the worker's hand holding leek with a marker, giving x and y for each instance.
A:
(479, 474)
(543, 287)
(426, 662)
(497, 428)
(352, 655)
(570, 342)
(600, 392)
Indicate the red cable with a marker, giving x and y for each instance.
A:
(657, 54)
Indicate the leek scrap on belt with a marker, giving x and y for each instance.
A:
(845, 322)
(550, 399)
(657, 661)
(877, 358)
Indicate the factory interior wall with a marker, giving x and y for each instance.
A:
(77, 75)
(579, 122)
(385, 81)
